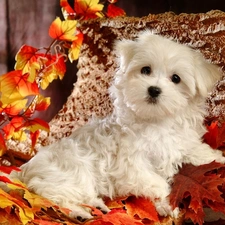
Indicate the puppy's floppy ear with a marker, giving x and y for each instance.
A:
(124, 49)
(206, 75)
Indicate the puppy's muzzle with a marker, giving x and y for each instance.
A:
(154, 91)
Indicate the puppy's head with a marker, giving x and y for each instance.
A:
(158, 77)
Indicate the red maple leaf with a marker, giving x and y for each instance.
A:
(114, 11)
(215, 137)
(198, 187)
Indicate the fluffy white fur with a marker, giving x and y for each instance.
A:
(137, 149)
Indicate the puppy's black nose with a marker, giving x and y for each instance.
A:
(154, 92)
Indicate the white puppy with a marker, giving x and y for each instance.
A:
(157, 124)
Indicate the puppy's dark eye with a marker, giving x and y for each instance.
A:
(175, 79)
(146, 70)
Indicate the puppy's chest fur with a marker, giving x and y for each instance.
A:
(158, 146)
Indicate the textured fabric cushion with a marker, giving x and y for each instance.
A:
(97, 62)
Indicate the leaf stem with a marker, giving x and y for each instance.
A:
(50, 46)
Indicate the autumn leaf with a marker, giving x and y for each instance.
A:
(37, 202)
(116, 217)
(114, 11)
(24, 213)
(33, 125)
(27, 61)
(34, 137)
(141, 207)
(88, 9)
(15, 86)
(29, 207)
(8, 218)
(14, 184)
(40, 103)
(11, 129)
(67, 10)
(75, 47)
(9, 169)
(198, 187)
(63, 30)
(215, 137)
(55, 68)
(14, 108)
(117, 203)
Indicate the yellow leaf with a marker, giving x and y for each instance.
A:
(15, 86)
(19, 135)
(74, 51)
(36, 124)
(63, 30)
(24, 212)
(55, 68)
(27, 61)
(47, 79)
(37, 202)
(14, 108)
(88, 9)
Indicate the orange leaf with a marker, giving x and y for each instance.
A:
(116, 217)
(8, 218)
(116, 203)
(141, 207)
(14, 108)
(63, 30)
(88, 9)
(114, 11)
(15, 86)
(34, 125)
(11, 127)
(75, 47)
(67, 10)
(27, 61)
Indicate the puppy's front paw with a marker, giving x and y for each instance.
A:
(164, 208)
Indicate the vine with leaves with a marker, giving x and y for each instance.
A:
(36, 68)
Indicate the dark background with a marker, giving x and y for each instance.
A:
(144, 7)
(27, 22)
